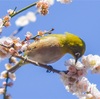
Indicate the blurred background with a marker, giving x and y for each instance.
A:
(81, 17)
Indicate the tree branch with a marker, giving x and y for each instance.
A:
(48, 67)
(23, 9)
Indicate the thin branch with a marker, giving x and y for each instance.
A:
(5, 93)
(48, 32)
(27, 7)
(50, 68)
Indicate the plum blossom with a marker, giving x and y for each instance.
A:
(11, 50)
(1, 25)
(92, 62)
(50, 2)
(3, 75)
(25, 19)
(40, 33)
(13, 60)
(7, 41)
(31, 16)
(28, 35)
(10, 84)
(43, 6)
(82, 88)
(22, 21)
(6, 18)
(17, 46)
(8, 66)
(75, 81)
(10, 11)
(2, 90)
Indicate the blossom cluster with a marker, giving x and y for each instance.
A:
(43, 5)
(9, 46)
(92, 62)
(76, 82)
(43, 9)
(5, 22)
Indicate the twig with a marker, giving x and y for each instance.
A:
(48, 32)
(29, 6)
(5, 93)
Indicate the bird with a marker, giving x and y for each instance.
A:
(51, 48)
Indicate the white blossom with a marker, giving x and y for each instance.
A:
(18, 46)
(24, 47)
(28, 35)
(50, 2)
(94, 91)
(22, 21)
(8, 66)
(25, 19)
(83, 89)
(2, 90)
(3, 75)
(92, 62)
(7, 41)
(1, 25)
(71, 62)
(10, 11)
(31, 16)
(12, 76)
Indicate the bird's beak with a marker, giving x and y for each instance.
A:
(76, 60)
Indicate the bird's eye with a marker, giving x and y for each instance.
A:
(77, 54)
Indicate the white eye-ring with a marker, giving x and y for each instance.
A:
(77, 54)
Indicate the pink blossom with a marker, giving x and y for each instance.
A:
(72, 69)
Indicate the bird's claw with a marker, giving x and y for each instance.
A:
(25, 58)
(49, 70)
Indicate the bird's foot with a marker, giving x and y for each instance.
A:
(50, 68)
(66, 71)
(25, 58)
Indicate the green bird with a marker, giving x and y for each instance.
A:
(51, 48)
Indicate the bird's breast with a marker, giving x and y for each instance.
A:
(45, 51)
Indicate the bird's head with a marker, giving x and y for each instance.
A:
(76, 46)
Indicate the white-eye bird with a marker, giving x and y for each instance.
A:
(51, 48)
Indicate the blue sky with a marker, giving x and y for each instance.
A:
(81, 17)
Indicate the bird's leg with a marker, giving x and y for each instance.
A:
(50, 68)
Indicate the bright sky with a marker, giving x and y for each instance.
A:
(81, 17)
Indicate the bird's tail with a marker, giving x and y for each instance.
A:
(16, 67)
